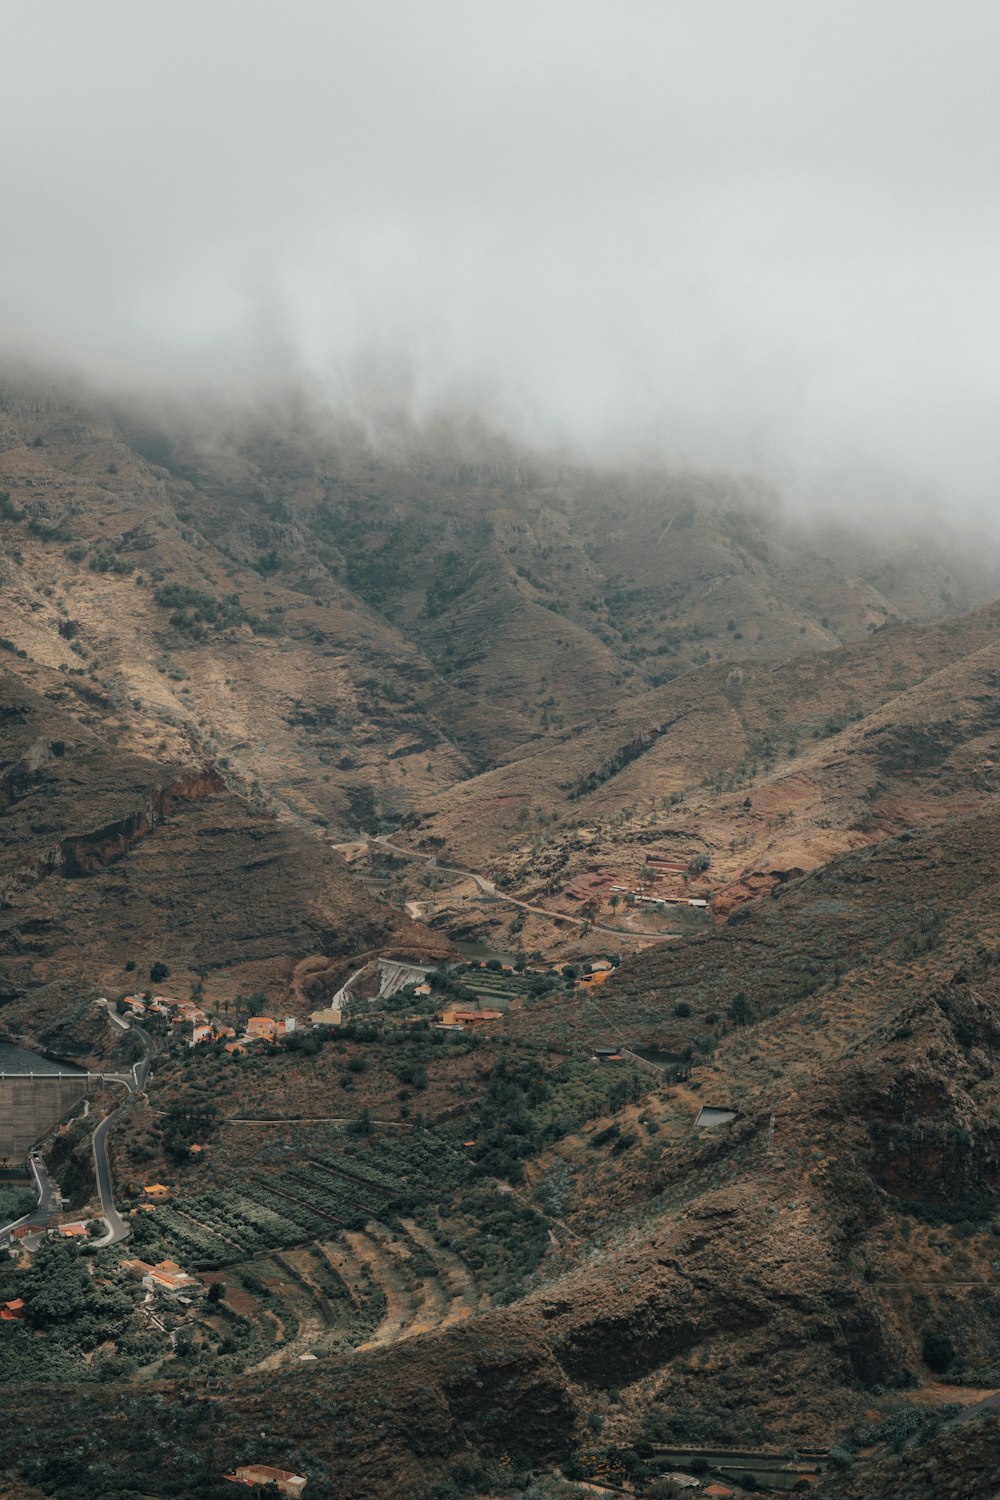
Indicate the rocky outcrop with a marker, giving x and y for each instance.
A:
(750, 885)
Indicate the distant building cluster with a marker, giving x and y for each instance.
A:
(283, 1480)
(665, 881)
(207, 1028)
(204, 1028)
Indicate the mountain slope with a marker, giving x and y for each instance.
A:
(109, 858)
(359, 624)
(773, 1284)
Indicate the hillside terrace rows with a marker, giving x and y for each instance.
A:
(386, 1240)
(358, 1289)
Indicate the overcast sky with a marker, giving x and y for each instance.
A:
(742, 230)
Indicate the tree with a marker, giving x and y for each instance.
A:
(739, 1011)
(938, 1352)
(159, 971)
(362, 1125)
(58, 1286)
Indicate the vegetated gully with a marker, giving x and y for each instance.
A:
(488, 889)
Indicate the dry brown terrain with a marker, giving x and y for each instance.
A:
(232, 644)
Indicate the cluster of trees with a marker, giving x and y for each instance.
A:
(195, 611)
(75, 1311)
(523, 1110)
(185, 1124)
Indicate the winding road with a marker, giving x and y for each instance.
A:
(488, 888)
(117, 1228)
(49, 1201)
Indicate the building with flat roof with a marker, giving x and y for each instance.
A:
(283, 1479)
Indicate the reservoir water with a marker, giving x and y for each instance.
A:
(712, 1118)
(481, 951)
(18, 1060)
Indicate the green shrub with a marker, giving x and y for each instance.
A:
(938, 1352)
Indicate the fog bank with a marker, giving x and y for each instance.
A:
(738, 232)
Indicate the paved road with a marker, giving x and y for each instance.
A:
(991, 1403)
(117, 1228)
(489, 889)
(48, 1205)
(49, 1201)
(134, 1083)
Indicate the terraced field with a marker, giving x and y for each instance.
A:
(495, 989)
(382, 1240)
(339, 1239)
(362, 1289)
(302, 1201)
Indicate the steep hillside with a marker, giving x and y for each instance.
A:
(803, 1278)
(359, 625)
(447, 1257)
(761, 770)
(110, 857)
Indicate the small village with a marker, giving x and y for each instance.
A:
(174, 1295)
(506, 984)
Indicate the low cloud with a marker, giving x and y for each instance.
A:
(747, 234)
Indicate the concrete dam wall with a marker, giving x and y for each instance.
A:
(29, 1106)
